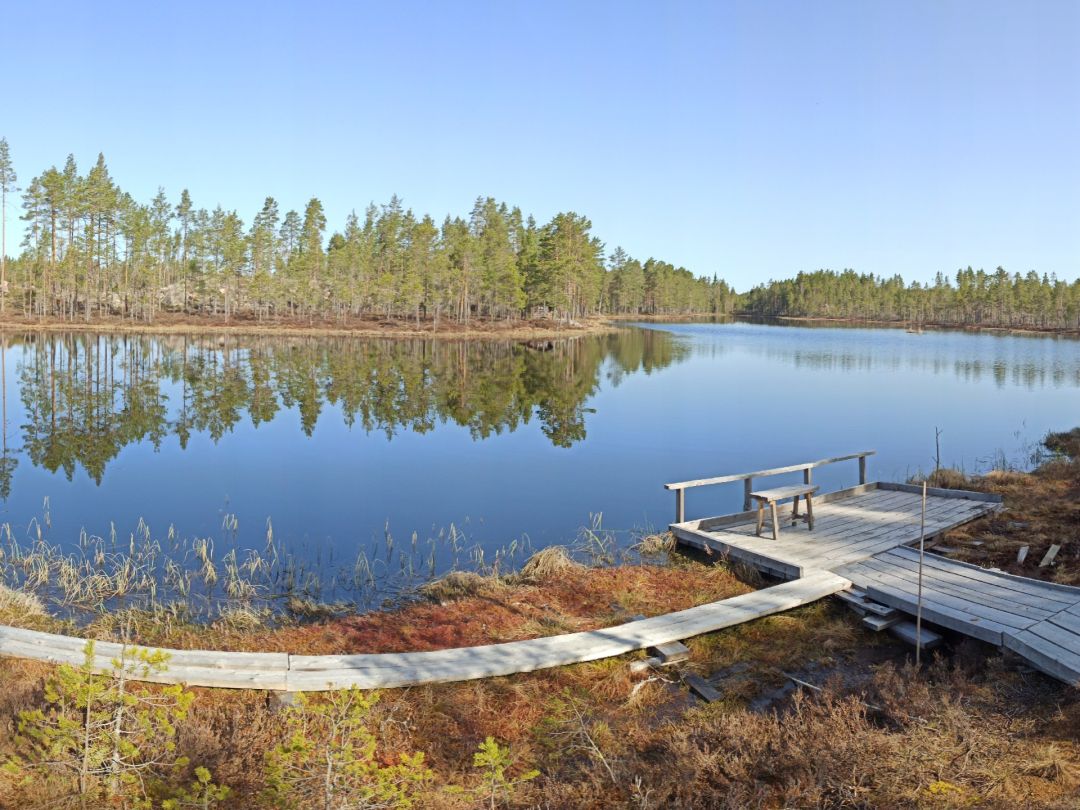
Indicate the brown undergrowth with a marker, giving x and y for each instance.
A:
(1040, 509)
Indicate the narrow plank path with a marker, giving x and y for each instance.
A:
(284, 672)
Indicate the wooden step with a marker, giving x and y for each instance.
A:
(883, 611)
(671, 653)
(879, 623)
(905, 631)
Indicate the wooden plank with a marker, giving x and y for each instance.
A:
(960, 585)
(910, 634)
(702, 688)
(1050, 554)
(933, 593)
(672, 652)
(942, 615)
(727, 479)
(1046, 656)
(1067, 594)
(879, 623)
(718, 521)
(937, 492)
(785, 568)
(590, 644)
(300, 673)
(779, 493)
(1070, 621)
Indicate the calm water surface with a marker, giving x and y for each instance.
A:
(335, 441)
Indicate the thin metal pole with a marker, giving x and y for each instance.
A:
(922, 551)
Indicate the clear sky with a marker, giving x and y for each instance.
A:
(749, 139)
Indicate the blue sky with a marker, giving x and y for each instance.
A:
(753, 140)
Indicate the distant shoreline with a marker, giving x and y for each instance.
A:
(478, 329)
(869, 322)
(534, 329)
(895, 324)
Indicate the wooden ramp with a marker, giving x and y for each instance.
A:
(864, 534)
(281, 671)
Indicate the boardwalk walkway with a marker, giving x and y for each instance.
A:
(284, 672)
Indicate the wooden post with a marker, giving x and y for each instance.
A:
(748, 486)
(922, 553)
(862, 469)
(680, 505)
(806, 476)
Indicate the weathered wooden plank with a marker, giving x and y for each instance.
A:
(784, 568)
(1049, 556)
(727, 479)
(910, 634)
(944, 615)
(780, 493)
(1067, 594)
(720, 521)
(879, 623)
(932, 593)
(702, 688)
(959, 585)
(1045, 655)
(672, 652)
(1070, 621)
(942, 493)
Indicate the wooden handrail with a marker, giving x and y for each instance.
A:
(680, 487)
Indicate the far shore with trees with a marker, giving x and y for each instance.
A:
(93, 256)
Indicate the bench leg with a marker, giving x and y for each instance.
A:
(795, 511)
(810, 511)
(760, 517)
(775, 522)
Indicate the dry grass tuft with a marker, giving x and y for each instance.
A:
(653, 544)
(17, 605)
(548, 564)
(950, 478)
(462, 585)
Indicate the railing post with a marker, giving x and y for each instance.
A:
(748, 486)
(806, 476)
(862, 469)
(680, 505)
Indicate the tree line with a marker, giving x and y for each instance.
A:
(91, 249)
(971, 298)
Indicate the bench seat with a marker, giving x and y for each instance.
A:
(770, 497)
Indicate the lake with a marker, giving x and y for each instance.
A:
(337, 449)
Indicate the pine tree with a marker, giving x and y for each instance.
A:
(7, 186)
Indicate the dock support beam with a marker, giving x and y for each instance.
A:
(862, 469)
(680, 505)
(748, 487)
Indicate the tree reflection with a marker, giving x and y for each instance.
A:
(86, 397)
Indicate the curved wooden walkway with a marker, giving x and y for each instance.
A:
(308, 673)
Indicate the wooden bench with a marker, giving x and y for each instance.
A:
(773, 496)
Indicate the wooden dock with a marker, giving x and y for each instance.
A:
(865, 534)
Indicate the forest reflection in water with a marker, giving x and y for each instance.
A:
(86, 396)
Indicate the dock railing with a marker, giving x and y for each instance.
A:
(748, 479)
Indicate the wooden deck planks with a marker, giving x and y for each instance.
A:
(864, 537)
